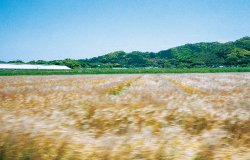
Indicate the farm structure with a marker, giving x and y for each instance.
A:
(126, 116)
(29, 66)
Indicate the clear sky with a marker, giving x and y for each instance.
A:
(79, 29)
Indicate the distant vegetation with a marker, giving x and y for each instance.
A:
(197, 55)
(121, 71)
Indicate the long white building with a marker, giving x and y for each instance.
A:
(8, 66)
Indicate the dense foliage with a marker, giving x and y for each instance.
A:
(186, 56)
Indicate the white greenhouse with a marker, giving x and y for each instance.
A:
(30, 66)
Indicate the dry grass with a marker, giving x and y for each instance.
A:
(167, 116)
(184, 86)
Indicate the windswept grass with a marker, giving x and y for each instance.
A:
(184, 86)
(130, 116)
(117, 89)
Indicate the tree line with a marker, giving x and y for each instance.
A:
(196, 55)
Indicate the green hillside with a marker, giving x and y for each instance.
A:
(188, 55)
(202, 54)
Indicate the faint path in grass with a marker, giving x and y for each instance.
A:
(184, 86)
(116, 90)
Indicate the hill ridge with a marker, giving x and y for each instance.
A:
(232, 53)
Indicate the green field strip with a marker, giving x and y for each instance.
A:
(120, 71)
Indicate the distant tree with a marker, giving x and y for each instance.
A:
(149, 63)
(186, 65)
(167, 65)
(41, 62)
(237, 56)
(116, 65)
(243, 65)
(58, 63)
(110, 66)
(17, 61)
(232, 60)
(69, 64)
(32, 62)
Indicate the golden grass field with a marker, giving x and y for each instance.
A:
(130, 116)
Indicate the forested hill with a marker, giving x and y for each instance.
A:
(188, 55)
(202, 54)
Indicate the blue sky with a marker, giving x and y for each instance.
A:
(78, 29)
